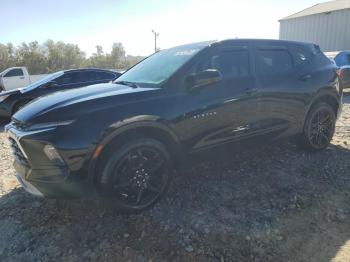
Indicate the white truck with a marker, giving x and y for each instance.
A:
(16, 77)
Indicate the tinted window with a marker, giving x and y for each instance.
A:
(90, 76)
(301, 56)
(86, 76)
(272, 62)
(231, 64)
(14, 72)
(67, 78)
(104, 76)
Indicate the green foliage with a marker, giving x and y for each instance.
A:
(54, 56)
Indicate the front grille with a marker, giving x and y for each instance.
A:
(18, 153)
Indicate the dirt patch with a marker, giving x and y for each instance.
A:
(273, 204)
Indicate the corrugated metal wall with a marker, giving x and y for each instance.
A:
(330, 31)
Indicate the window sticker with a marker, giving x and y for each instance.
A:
(186, 52)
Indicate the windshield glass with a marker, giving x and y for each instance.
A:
(160, 66)
(40, 82)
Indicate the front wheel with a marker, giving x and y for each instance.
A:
(136, 175)
(319, 127)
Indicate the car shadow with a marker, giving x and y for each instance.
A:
(255, 205)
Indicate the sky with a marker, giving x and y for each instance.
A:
(88, 23)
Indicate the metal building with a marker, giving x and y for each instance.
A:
(326, 24)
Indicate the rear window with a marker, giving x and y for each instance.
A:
(273, 62)
(301, 55)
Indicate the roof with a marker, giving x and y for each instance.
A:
(264, 41)
(321, 8)
(88, 69)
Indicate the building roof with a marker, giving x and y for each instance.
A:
(321, 8)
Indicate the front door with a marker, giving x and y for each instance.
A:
(226, 110)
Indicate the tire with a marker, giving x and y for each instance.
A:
(319, 127)
(139, 165)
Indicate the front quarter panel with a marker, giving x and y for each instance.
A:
(99, 127)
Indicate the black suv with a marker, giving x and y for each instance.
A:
(122, 139)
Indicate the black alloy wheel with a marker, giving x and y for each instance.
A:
(319, 127)
(137, 175)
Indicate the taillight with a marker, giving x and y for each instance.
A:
(340, 73)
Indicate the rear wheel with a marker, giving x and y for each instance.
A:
(319, 127)
(136, 175)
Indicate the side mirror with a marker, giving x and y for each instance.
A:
(50, 84)
(203, 78)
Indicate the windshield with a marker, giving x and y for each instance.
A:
(40, 82)
(160, 66)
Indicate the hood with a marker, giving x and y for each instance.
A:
(63, 99)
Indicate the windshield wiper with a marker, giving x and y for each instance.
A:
(126, 83)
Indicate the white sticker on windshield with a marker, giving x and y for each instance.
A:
(186, 52)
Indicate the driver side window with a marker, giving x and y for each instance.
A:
(65, 79)
(231, 64)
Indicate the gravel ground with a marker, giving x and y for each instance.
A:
(273, 204)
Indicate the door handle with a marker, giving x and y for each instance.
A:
(251, 91)
(305, 77)
(22, 77)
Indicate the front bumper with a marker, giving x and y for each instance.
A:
(37, 174)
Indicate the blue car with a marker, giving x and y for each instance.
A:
(342, 60)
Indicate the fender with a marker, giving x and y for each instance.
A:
(329, 91)
(125, 125)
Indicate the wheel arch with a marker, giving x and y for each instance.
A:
(17, 103)
(326, 97)
(130, 129)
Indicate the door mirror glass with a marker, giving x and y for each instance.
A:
(203, 78)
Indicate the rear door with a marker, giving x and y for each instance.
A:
(282, 86)
(15, 78)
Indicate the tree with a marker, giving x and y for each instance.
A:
(32, 56)
(53, 56)
(98, 59)
(117, 56)
(62, 56)
(7, 56)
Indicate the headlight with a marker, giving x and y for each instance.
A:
(2, 98)
(48, 125)
(52, 154)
